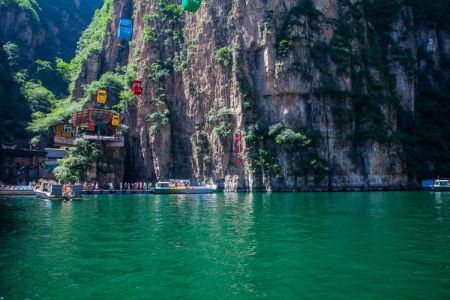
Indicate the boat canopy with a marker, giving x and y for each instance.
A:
(441, 182)
(180, 182)
(163, 184)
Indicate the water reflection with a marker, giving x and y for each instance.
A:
(441, 204)
(318, 245)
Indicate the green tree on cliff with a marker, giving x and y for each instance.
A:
(79, 159)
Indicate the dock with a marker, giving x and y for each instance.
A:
(106, 192)
(16, 190)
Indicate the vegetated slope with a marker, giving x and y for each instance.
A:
(35, 39)
(327, 94)
(63, 21)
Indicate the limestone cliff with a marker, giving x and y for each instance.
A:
(47, 28)
(33, 34)
(316, 89)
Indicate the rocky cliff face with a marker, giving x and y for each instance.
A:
(47, 28)
(20, 25)
(316, 89)
(33, 34)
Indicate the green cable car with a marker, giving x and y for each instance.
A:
(191, 5)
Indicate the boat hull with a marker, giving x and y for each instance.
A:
(47, 195)
(440, 188)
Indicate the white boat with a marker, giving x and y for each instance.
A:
(441, 185)
(55, 191)
(175, 186)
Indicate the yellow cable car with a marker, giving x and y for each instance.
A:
(101, 97)
(115, 120)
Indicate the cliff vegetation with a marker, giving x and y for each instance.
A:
(266, 95)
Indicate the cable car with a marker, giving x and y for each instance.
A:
(115, 121)
(101, 96)
(237, 145)
(191, 5)
(137, 88)
(125, 31)
(239, 161)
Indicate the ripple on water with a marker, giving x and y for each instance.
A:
(309, 245)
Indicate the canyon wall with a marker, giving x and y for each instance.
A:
(47, 28)
(33, 34)
(278, 95)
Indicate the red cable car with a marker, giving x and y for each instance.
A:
(237, 145)
(239, 161)
(237, 150)
(137, 88)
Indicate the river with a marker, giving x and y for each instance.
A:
(373, 245)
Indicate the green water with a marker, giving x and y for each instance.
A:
(236, 246)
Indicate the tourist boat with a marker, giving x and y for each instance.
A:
(55, 191)
(441, 185)
(182, 187)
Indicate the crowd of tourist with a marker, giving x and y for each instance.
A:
(126, 186)
(88, 186)
(15, 187)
